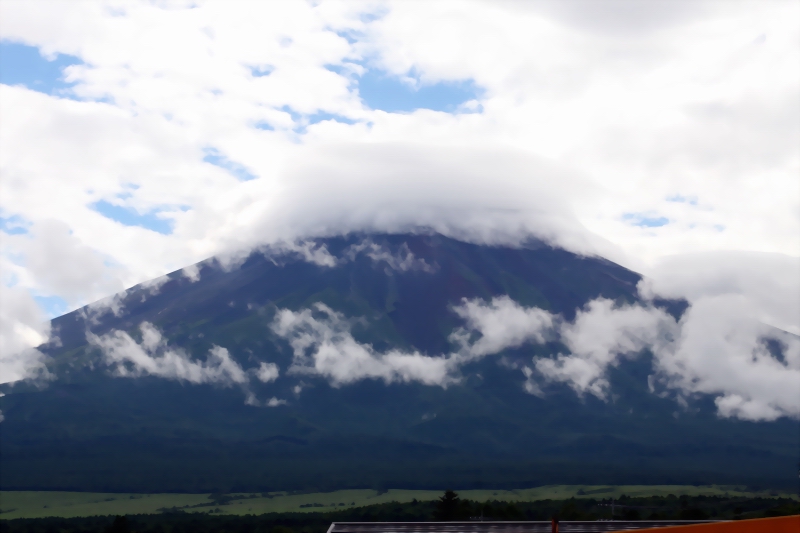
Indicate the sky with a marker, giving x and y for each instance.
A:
(138, 138)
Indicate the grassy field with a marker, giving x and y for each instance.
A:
(31, 504)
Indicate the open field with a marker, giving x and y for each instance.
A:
(38, 504)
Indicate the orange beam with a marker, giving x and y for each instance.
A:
(780, 524)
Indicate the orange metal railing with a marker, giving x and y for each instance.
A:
(781, 524)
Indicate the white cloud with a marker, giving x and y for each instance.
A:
(599, 337)
(768, 281)
(308, 251)
(722, 351)
(22, 328)
(154, 357)
(738, 299)
(275, 402)
(323, 345)
(622, 106)
(267, 372)
(81, 271)
(95, 311)
(502, 324)
(718, 348)
(191, 272)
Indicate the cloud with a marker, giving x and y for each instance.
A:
(601, 334)
(733, 342)
(95, 311)
(717, 348)
(267, 372)
(723, 350)
(501, 324)
(323, 345)
(275, 402)
(154, 357)
(191, 272)
(82, 272)
(587, 111)
(768, 281)
(623, 17)
(403, 187)
(306, 250)
(22, 329)
(739, 300)
(401, 260)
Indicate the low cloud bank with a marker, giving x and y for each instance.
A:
(715, 348)
(718, 347)
(324, 345)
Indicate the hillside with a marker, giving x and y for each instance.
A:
(263, 415)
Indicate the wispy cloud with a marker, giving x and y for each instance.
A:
(153, 356)
(401, 260)
(323, 345)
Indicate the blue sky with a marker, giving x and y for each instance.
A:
(382, 91)
(130, 217)
(52, 306)
(21, 64)
(645, 221)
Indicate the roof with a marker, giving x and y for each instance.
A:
(503, 527)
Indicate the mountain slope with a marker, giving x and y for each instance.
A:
(328, 428)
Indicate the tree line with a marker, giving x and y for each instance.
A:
(447, 507)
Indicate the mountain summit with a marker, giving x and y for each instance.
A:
(414, 361)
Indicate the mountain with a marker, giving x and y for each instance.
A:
(207, 380)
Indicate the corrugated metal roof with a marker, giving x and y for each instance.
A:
(504, 527)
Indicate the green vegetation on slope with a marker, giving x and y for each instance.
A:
(40, 504)
(670, 507)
